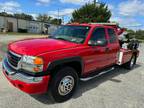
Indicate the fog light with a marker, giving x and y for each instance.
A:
(36, 69)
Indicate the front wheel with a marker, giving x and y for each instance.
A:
(63, 84)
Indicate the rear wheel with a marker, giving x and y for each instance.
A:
(63, 84)
(131, 63)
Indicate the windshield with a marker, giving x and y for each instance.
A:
(75, 34)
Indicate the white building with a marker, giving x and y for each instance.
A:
(19, 25)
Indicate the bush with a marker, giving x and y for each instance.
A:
(22, 30)
(139, 34)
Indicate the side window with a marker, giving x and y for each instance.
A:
(98, 34)
(112, 36)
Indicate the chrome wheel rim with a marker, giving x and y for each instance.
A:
(66, 85)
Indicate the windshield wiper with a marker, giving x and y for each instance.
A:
(61, 39)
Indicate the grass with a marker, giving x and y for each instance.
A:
(142, 41)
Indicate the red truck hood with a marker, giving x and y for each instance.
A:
(39, 46)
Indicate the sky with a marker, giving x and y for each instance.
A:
(129, 13)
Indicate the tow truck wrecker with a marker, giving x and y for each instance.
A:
(73, 52)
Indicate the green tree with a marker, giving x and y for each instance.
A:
(6, 14)
(44, 18)
(23, 16)
(49, 19)
(17, 15)
(139, 34)
(131, 33)
(91, 13)
(56, 21)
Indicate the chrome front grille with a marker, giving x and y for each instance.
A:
(13, 59)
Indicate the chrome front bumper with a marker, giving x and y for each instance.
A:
(15, 75)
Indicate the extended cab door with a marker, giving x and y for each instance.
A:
(113, 45)
(98, 53)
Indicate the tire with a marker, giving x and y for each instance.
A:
(130, 65)
(64, 78)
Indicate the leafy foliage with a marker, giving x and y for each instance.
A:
(23, 16)
(20, 16)
(91, 13)
(46, 18)
(6, 14)
(41, 17)
(136, 34)
(56, 21)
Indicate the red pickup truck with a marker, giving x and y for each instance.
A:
(73, 52)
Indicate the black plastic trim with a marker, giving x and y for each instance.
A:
(53, 65)
(65, 60)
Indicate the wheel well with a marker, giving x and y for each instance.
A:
(74, 64)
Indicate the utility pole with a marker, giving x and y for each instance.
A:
(58, 15)
(62, 19)
(17, 22)
(96, 1)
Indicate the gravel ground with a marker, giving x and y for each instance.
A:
(118, 89)
(7, 38)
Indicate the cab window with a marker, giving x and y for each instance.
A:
(98, 35)
(112, 36)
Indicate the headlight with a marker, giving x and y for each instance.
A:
(32, 64)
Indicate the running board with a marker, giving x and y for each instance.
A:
(103, 72)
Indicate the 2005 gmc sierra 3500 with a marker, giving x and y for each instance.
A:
(73, 52)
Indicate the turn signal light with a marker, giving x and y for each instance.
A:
(38, 61)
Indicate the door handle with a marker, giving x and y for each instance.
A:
(107, 49)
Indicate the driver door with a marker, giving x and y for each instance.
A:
(98, 53)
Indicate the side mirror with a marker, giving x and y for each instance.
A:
(98, 43)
